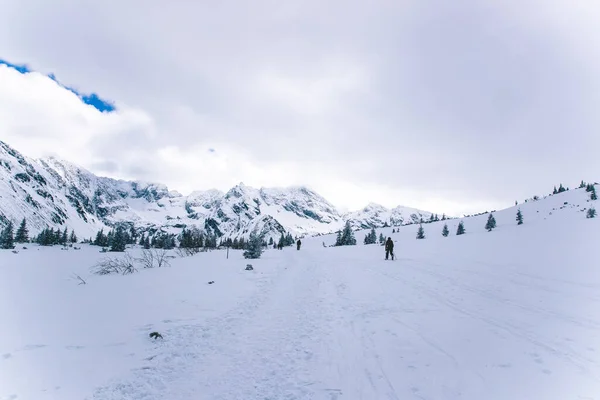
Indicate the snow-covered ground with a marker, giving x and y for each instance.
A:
(508, 314)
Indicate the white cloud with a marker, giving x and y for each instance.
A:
(451, 107)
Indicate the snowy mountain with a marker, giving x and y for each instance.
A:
(56, 193)
(375, 215)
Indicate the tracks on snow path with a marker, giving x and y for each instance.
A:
(263, 349)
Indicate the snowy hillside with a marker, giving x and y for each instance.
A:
(509, 314)
(56, 193)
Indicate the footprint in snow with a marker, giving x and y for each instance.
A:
(33, 347)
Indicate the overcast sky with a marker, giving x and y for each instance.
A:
(448, 106)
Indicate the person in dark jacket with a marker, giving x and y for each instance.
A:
(389, 248)
(298, 243)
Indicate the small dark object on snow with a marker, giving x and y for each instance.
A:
(16, 251)
(155, 335)
(211, 282)
(249, 267)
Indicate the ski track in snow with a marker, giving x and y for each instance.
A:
(324, 329)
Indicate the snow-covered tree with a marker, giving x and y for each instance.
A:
(22, 235)
(593, 195)
(346, 237)
(519, 217)
(491, 222)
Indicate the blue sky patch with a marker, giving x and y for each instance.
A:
(91, 99)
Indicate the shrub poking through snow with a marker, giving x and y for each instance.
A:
(123, 265)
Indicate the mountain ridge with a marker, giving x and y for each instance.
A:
(51, 192)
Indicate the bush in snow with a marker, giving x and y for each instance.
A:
(445, 231)
(591, 213)
(491, 222)
(461, 229)
(421, 232)
(154, 258)
(108, 266)
(519, 217)
(254, 248)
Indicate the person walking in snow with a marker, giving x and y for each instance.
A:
(389, 248)
(298, 243)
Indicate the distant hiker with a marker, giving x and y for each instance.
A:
(389, 248)
(298, 243)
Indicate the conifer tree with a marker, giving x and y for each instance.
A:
(346, 237)
(491, 222)
(22, 235)
(582, 184)
(119, 240)
(461, 228)
(591, 212)
(445, 231)
(519, 217)
(64, 237)
(381, 238)
(421, 232)
(593, 195)
(554, 191)
(7, 239)
(254, 248)
(73, 237)
(338, 239)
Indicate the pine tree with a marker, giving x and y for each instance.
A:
(338, 239)
(591, 213)
(119, 240)
(346, 237)
(22, 235)
(554, 191)
(421, 232)
(461, 228)
(593, 193)
(381, 238)
(582, 184)
(491, 222)
(7, 240)
(519, 217)
(561, 188)
(64, 237)
(254, 248)
(73, 237)
(445, 231)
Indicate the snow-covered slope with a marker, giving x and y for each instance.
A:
(509, 314)
(56, 193)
